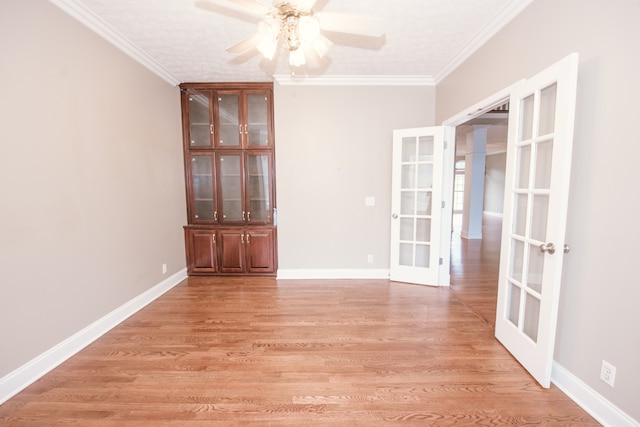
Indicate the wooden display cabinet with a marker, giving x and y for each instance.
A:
(229, 168)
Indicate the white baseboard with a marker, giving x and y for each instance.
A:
(588, 399)
(333, 274)
(16, 381)
(496, 214)
(470, 236)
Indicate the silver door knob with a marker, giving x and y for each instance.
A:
(550, 248)
(394, 216)
(567, 248)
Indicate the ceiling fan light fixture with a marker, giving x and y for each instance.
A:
(294, 24)
(296, 58)
(268, 32)
(321, 45)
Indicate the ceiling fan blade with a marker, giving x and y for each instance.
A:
(253, 5)
(360, 25)
(303, 4)
(245, 45)
(249, 7)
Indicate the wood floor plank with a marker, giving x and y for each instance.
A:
(262, 352)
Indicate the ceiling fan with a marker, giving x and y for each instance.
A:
(294, 24)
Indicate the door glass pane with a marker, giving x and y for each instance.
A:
(543, 164)
(258, 188)
(408, 177)
(531, 317)
(202, 176)
(406, 229)
(408, 149)
(424, 203)
(523, 166)
(406, 254)
(257, 118)
(513, 304)
(536, 266)
(231, 187)
(520, 214)
(547, 109)
(526, 119)
(425, 149)
(199, 120)
(517, 260)
(407, 202)
(422, 256)
(425, 175)
(229, 120)
(539, 218)
(423, 230)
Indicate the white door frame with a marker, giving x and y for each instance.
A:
(448, 171)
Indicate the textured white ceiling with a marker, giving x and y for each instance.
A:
(425, 39)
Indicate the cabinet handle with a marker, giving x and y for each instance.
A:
(245, 129)
(215, 215)
(243, 216)
(213, 237)
(242, 238)
(211, 129)
(247, 238)
(240, 129)
(249, 216)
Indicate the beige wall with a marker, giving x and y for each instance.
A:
(598, 310)
(333, 149)
(91, 179)
(494, 183)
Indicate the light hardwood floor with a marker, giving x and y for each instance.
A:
(238, 352)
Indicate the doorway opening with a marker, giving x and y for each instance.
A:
(478, 191)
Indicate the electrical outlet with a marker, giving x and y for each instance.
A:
(164, 268)
(370, 259)
(608, 373)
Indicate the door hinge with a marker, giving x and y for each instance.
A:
(440, 261)
(443, 204)
(446, 145)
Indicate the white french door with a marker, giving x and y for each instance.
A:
(416, 212)
(541, 121)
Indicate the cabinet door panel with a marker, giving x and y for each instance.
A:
(257, 131)
(229, 129)
(202, 251)
(259, 188)
(202, 188)
(260, 257)
(200, 126)
(230, 188)
(231, 251)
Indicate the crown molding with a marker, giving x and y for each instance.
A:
(288, 80)
(103, 29)
(502, 18)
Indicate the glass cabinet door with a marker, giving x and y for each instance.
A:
(257, 128)
(230, 129)
(200, 125)
(203, 206)
(230, 188)
(259, 188)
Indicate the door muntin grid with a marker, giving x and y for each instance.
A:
(530, 204)
(416, 195)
